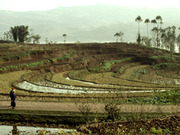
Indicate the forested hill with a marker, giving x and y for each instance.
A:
(91, 23)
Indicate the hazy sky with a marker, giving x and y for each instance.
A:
(26, 5)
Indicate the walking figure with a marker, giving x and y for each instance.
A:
(11, 92)
(13, 97)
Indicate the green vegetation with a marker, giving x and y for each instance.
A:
(163, 58)
(19, 33)
(35, 64)
(168, 97)
(105, 66)
(156, 131)
(135, 72)
(59, 59)
(16, 57)
(165, 65)
(45, 117)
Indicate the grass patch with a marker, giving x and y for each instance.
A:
(8, 78)
(79, 74)
(108, 78)
(59, 59)
(34, 64)
(105, 66)
(163, 58)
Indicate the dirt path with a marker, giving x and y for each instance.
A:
(60, 106)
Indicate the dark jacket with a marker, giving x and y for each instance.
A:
(11, 92)
(13, 97)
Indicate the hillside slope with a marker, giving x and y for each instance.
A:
(91, 23)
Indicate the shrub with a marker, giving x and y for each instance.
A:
(156, 131)
(85, 110)
(66, 57)
(136, 71)
(112, 111)
(106, 65)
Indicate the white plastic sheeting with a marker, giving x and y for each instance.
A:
(69, 89)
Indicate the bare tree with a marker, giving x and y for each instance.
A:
(8, 35)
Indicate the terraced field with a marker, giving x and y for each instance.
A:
(90, 72)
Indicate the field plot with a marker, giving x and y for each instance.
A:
(120, 80)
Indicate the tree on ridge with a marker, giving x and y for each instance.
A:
(64, 35)
(121, 36)
(147, 21)
(138, 20)
(117, 35)
(19, 33)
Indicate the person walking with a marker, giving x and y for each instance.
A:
(11, 92)
(13, 97)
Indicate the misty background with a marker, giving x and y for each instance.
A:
(96, 23)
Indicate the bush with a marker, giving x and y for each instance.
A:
(112, 111)
(85, 110)
(66, 57)
(135, 72)
(156, 131)
(106, 65)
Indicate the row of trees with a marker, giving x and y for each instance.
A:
(157, 20)
(22, 34)
(161, 37)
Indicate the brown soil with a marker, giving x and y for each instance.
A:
(84, 50)
(170, 123)
(59, 106)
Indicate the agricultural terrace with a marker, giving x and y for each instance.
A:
(110, 74)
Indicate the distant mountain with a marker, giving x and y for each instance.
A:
(96, 23)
